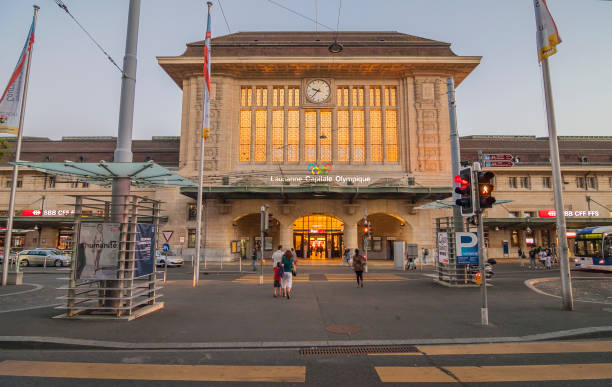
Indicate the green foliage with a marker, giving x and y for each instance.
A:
(3, 146)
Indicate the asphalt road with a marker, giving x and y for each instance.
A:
(497, 365)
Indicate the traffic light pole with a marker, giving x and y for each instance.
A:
(454, 142)
(484, 309)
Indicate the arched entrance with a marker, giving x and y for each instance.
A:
(247, 234)
(318, 237)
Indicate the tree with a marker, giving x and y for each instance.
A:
(3, 143)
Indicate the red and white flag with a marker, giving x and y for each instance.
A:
(547, 34)
(206, 94)
(12, 97)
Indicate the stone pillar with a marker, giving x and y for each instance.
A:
(217, 243)
(286, 236)
(350, 236)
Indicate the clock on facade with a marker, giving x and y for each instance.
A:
(318, 91)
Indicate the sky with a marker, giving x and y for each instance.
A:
(74, 90)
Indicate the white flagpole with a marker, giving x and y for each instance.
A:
(547, 39)
(566, 280)
(11, 210)
(196, 267)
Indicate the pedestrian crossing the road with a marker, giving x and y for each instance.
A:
(326, 278)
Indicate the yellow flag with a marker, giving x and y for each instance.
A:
(547, 35)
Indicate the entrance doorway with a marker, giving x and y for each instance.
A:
(318, 237)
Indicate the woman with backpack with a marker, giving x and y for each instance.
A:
(359, 264)
(288, 269)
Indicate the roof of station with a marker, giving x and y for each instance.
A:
(385, 54)
(310, 43)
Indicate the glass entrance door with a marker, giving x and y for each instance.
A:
(318, 237)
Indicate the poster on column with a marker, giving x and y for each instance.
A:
(145, 253)
(98, 251)
(443, 247)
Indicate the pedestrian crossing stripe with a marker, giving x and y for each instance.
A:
(202, 373)
(491, 374)
(326, 278)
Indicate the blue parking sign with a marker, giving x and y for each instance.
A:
(165, 247)
(466, 248)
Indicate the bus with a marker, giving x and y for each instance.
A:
(594, 248)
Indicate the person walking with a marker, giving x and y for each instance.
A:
(278, 275)
(346, 257)
(521, 255)
(288, 268)
(254, 259)
(542, 255)
(532, 260)
(277, 256)
(359, 264)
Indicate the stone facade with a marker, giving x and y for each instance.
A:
(415, 69)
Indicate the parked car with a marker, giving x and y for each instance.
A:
(172, 260)
(42, 258)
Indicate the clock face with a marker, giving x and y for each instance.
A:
(318, 91)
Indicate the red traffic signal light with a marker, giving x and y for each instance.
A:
(464, 197)
(485, 189)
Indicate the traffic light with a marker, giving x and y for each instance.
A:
(205, 133)
(464, 190)
(267, 220)
(369, 230)
(485, 189)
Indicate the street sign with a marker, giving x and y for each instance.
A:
(466, 248)
(499, 164)
(165, 247)
(498, 157)
(167, 235)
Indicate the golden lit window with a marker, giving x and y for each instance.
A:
(376, 135)
(310, 136)
(343, 94)
(343, 136)
(357, 97)
(358, 136)
(318, 222)
(261, 96)
(245, 135)
(325, 139)
(260, 135)
(293, 96)
(278, 134)
(391, 135)
(293, 135)
(249, 97)
(375, 96)
(243, 93)
(390, 96)
(278, 96)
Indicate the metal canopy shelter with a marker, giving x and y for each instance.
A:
(442, 204)
(146, 174)
(350, 193)
(522, 223)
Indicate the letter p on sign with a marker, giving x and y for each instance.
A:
(467, 244)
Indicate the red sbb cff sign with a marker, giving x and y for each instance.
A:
(547, 213)
(498, 157)
(32, 212)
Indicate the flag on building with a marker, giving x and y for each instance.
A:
(547, 35)
(12, 97)
(206, 94)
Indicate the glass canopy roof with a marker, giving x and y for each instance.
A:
(146, 174)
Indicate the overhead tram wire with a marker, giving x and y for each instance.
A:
(300, 15)
(65, 8)
(224, 18)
